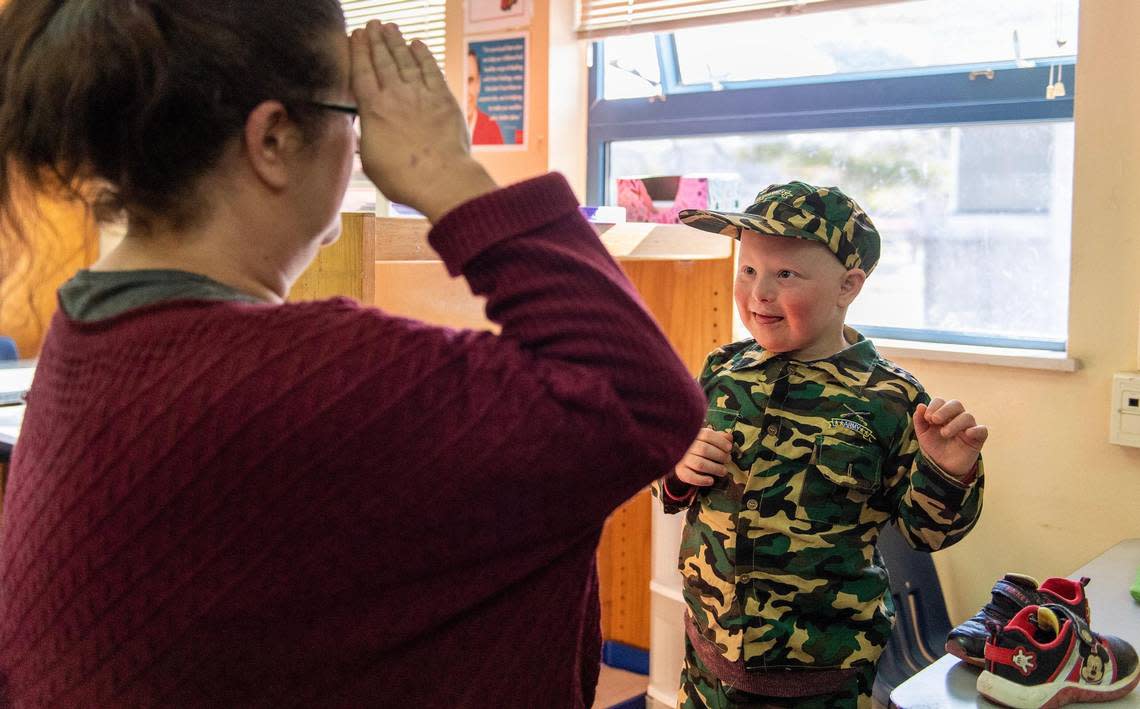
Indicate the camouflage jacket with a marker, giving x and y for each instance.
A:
(778, 557)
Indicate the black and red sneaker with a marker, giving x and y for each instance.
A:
(1048, 657)
(1011, 593)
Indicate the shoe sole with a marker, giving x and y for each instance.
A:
(959, 652)
(1052, 695)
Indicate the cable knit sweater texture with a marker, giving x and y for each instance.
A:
(321, 504)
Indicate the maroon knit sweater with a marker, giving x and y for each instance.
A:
(319, 504)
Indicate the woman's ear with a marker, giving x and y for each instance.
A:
(270, 139)
(852, 283)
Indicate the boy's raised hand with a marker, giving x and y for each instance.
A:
(949, 436)
(705, 458)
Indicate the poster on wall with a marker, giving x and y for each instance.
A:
(496, 92)
(497, 15)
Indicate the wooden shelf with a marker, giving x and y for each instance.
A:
(405, 239)
(642, 241)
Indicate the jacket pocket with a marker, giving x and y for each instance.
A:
(838, 481)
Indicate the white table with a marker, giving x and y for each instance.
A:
(14, 376)
(950, 684)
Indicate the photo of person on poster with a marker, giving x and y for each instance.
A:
(483, 129)
(496, 91)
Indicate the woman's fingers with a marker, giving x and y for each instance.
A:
(407, 67)
(379, 53)
(414, 141)
(365, 83)
(429, 67)
(383, 62)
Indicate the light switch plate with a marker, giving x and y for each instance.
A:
(1124, 426)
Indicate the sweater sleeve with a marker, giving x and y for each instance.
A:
(563, 301)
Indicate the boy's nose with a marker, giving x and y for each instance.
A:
(762, 291)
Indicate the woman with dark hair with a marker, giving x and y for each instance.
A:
(222, 499)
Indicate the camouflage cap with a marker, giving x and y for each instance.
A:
(802, 211)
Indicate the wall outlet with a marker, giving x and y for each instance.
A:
(1124, 427)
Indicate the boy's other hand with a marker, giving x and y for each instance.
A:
(949, 436)
(705, 459)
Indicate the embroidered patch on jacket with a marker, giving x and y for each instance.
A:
(855, 426)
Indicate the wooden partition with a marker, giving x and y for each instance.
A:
(341, 268)
(684, 276)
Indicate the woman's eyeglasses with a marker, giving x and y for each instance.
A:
(351, 110)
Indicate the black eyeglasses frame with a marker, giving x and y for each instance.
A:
(353, 110)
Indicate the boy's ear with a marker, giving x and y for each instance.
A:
(852, 283)
(269, 135)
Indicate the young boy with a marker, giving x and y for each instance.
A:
(814, 443)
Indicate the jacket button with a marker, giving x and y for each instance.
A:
(751, 504)
(773, 429)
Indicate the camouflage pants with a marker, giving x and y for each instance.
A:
(701, 690)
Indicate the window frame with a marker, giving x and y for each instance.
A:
(994, 93)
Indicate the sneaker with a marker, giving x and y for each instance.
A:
(1011, 593)
(1047, 657)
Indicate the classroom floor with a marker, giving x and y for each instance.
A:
(616, 686)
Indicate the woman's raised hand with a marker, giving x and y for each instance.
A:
(414, 144)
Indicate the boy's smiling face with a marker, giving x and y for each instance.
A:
(793, 295)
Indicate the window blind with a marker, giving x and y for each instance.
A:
(604, 18)
(418, 19)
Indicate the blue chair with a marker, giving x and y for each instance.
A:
(8, 349)
(921, 621)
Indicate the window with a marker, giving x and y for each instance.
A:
(418, 19)
(933, 114)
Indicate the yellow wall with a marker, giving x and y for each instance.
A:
(1057, 492)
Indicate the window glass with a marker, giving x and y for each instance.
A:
(975, 219)
(887, 38)
(631, 70)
